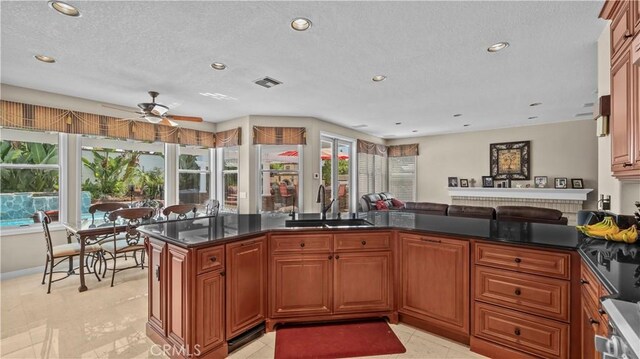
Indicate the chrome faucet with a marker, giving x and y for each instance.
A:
(321, 200)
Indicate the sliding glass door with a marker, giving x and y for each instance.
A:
(335, 159)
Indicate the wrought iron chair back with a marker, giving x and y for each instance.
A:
(45, 220)
(182, 210)
(107, 208)
(132, 218)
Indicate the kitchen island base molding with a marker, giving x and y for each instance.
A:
(270, 324)
(173, 352)
(492, 350)
(435, 329)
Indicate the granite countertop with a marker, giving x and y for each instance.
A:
(230, 227)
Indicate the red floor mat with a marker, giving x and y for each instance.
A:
(337, 340)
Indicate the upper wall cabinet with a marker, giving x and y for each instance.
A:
(625, 87)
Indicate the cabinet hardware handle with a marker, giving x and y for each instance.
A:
(518, 260)
(518, 292)
(302, 244)
(364, 242)
(158, 273)
(222, 274)
(517, 331)
(583, 281)
(213, 259)
(593, 321)
(627, 35)
(337, 257)
(627, 165)
(431, 240)
(330, 257)
(601, 311)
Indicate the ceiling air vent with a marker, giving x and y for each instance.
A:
(359, 126)
(267, 82)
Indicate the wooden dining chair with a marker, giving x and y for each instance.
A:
(182, 210)
(61, 253)
(131, 242)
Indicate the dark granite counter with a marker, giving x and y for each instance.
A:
(229, 227)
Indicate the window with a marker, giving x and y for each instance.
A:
(30, 177)
(280, 173)
(120, 171)
(372, 174)
(229, 162)
(402, 177)
(194, 175)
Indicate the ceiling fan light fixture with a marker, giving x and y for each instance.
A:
(153, 119)
(159, 110)
(64, 8)
(301, 24)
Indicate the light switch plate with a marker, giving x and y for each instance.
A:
(242, 194)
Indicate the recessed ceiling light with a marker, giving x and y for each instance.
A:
(64, 8)
(300, 24)
(466, 125)
(498, 46)
(414, 131)
(535, 104)
(457, 115)
(218, 66)
(378, 78)
(398, 123)
(532, 117)
(44, 58)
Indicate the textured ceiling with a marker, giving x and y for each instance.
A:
(433, 53)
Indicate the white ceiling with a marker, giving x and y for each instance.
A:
(434, 54)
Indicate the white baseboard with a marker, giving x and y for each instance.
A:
(21, 272)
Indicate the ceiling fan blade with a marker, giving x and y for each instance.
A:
(185, 118)
(125, 109)
(167, 122)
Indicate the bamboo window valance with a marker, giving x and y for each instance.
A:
(41, 118)
(371, 148)
(229, 138)
(403, 150)
(279, 135)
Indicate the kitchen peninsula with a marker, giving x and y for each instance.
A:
(508, 289)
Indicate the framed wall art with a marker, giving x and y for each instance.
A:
(510, 160)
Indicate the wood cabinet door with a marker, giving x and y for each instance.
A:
(435, 280)
(621, 113)
(590, 327)
(176, 282)
(301, 285)
(209, 313)
(635, 121)
(362, 282)
(246, 285)
(157, 293)
(621, 28)
(635, 8)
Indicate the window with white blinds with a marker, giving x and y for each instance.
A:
(372, 174)
(402, 177)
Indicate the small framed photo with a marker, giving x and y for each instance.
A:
(540, 181)
(577, 183)
(560, 182)
(464, 182)
(487, 181)
(453, 181)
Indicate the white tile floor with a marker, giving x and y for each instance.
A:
(107, 322)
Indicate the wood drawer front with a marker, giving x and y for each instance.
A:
(362, 241)
(210, 259)
(528, 333)
(525, 292)
(621, 28)
(552, 264)
(302, 243)
(589, 284)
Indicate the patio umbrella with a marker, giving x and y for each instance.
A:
(326, 155)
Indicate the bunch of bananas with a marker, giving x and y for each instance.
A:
(629, 235)
(608, 229)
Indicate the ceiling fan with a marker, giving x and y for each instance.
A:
(157, 113)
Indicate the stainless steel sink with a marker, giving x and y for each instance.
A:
(328, 223)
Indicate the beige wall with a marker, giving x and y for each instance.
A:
(623, 193)
(567, 149)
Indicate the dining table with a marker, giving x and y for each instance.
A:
(94, 230)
